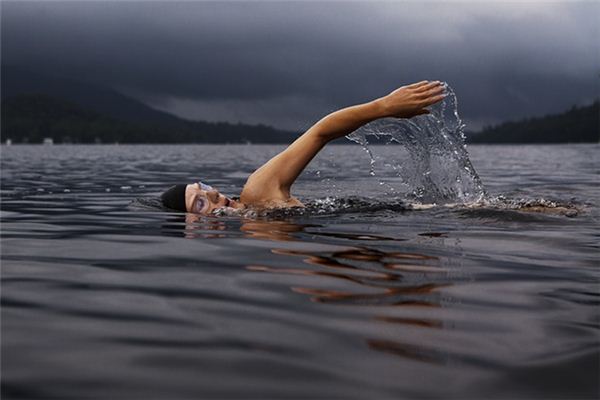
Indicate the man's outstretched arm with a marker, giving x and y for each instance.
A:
(272, 181)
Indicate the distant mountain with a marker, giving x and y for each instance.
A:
(18, 81)
(35, 106)
(578, 125)
(31, 118)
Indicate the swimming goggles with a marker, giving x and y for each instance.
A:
(204, 186)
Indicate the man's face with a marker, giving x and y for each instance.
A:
(204, 199)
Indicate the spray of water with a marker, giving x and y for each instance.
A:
(438, 169)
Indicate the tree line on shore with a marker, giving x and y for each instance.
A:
(30, 118)
(577, 125)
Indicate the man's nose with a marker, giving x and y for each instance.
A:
(213, 196)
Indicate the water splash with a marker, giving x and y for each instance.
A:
(438, 169)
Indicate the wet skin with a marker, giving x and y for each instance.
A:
(200, 201)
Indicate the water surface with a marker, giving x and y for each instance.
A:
(362, 297)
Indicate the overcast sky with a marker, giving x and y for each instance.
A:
(287, 64)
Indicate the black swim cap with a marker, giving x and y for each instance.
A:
(174, 198)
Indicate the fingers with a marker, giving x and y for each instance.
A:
(418, 84)
(433, 91)
(429, 86)
(432, 100)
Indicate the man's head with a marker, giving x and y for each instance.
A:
(196, 198)
(174, 197)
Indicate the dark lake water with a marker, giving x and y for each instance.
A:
(105, 297)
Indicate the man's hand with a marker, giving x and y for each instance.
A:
(409, 101)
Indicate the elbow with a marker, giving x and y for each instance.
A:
(321, 132)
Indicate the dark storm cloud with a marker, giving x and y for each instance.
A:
(288, 63)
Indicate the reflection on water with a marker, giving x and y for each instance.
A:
(273, 230)
(381, 278)
(207, 228)
(367, 268)
(405, 350)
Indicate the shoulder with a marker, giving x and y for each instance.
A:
(265, 194)
(260, 188)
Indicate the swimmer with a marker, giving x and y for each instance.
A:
(270, 185)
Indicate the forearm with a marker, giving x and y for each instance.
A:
(286, 166)
(347, 120)
(404, 102)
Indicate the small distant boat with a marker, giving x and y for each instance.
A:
(48, 141)
(8, 142)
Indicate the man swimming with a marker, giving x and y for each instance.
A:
(269, 186)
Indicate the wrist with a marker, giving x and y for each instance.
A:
(379, 109)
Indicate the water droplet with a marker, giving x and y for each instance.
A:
(438, 168)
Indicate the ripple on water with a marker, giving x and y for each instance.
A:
(363, 296)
